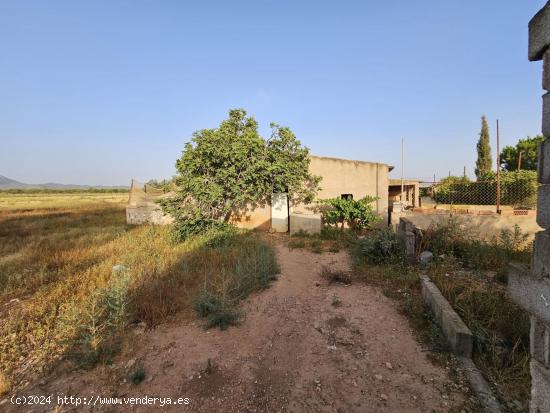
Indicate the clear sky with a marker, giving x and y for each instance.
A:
(98, 92)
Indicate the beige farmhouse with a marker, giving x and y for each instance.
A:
(340, 178)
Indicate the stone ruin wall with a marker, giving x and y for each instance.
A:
(530, 287)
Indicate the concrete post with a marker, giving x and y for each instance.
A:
(532, 290)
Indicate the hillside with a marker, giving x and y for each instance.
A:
(8, 183)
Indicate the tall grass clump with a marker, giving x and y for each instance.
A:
(380, 247)
(220, 268)
(249, 264)
(92, 326)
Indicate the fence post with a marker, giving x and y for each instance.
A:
(498, 171)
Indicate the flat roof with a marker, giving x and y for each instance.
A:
(390, 168)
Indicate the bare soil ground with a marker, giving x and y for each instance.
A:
(295, 351)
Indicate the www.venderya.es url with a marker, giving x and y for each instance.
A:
(98, 400)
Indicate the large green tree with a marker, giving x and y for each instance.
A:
(225, 170)
(484, 162)
(509, 158)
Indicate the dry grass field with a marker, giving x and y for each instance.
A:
(42, 201)
(73, 275)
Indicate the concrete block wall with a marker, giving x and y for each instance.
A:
(409, 235)
(531, 290)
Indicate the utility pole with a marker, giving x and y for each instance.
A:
(464, 171)
(402, 166)
(498, 170)
(519, 160)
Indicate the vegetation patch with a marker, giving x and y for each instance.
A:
(73, 278)
(380, 247)
(138, 374)
(466, 271)
(330, 239)
(220, 270)
(335, 276)
(356, 214)
(454, 237)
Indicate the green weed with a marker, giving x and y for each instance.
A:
(138, 375)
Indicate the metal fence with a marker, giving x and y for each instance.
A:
(518, 193)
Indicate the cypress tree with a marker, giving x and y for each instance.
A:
(484, 161)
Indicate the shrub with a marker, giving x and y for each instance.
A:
(217, 310)
(380, 247)
(513, 242)
(450, 236)
(356, 214)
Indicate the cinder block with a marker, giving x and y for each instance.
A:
(540, 387)
(530, 293)
(539, 341)
(543, 206)
(406, 225)
(546, 115)
(539, 33)
(541, 255)
(546, 71)
(544, 162)
(455, 331)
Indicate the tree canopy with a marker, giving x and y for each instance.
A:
(484, 162)
(509, 158)
(225, 170)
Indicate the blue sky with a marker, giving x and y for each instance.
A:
(99, 92)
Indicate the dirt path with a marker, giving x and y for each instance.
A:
(295, 352)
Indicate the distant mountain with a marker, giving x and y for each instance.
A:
(8, 183)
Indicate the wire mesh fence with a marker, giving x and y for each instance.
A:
(517, 193)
